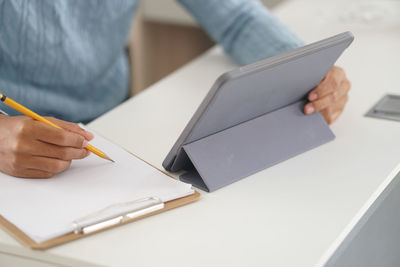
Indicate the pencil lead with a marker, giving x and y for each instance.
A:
(108, 158)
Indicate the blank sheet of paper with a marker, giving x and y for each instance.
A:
(46, 208)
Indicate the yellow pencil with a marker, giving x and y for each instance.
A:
(37, 117)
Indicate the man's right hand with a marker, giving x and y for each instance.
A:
(32, 149)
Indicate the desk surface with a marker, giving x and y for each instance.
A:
(287, 215)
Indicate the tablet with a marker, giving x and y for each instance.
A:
(256, 89)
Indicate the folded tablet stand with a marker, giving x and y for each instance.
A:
(252, 117)
(232, 154)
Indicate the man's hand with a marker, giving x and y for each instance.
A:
(30, 148)
(330, 96)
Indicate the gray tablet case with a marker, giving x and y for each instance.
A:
(252, 118)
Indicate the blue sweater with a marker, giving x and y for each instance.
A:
(67, 59)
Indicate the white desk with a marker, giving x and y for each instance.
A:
(287, 215)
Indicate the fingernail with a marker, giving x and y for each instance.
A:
(309, 109)
(85, 143)
(313, 96)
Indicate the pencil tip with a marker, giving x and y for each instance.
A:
(108, 158)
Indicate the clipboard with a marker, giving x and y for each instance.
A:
(123, 214)
(81, 232)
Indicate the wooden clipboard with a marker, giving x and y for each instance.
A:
(27, 241)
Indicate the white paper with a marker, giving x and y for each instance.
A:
(45, 208)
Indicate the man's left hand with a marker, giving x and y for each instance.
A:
(330, 96)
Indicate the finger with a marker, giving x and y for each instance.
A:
(331, 116)
(341, 103)
(44, 164)
(329, 84)
(72, 127)
(32, 173)
(332, 113)
(335, 115)
(38, 148)
(328, 100)
(60, 137)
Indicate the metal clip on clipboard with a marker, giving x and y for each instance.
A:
(80, 227)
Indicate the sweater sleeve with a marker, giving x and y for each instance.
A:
(245, 28)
